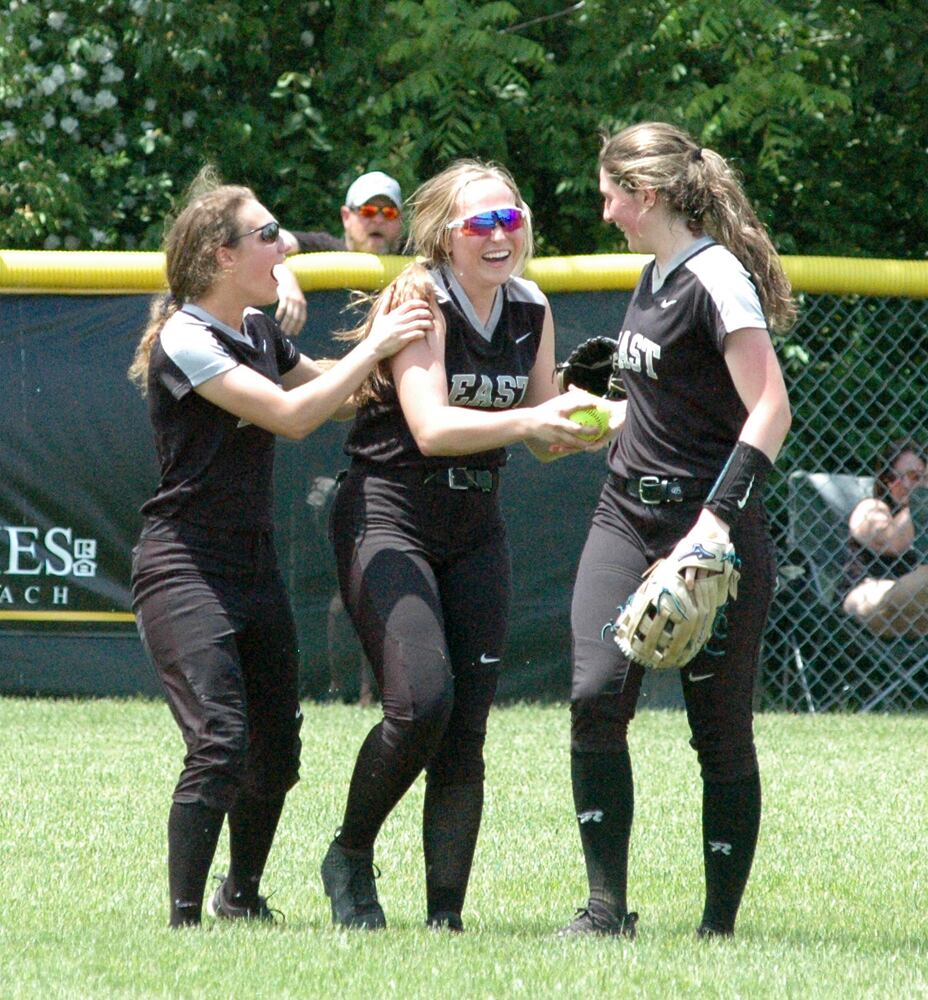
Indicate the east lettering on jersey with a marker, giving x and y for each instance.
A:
(487, 368)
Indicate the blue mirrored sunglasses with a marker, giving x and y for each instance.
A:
(484, 223)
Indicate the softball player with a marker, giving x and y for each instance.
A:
(211, 608)
(420, 545)
(705, 416)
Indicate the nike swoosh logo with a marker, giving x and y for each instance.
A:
(524, 336)
(488, 659)
(700, 677)
(747, 493)
(667, 303)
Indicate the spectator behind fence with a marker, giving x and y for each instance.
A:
(372, 217)
(887, 579)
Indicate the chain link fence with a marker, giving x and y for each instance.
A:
(857, 372)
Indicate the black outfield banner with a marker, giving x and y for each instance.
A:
(77, 462)
(74, 458)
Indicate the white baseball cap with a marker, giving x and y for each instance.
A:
(372, 185)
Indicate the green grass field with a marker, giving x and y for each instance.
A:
(837, 905)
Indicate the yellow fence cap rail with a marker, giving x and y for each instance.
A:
(110, 272)
(77, 272)
(906, 279)
(332, 269)
(587, 273)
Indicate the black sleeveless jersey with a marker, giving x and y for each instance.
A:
(216, 470)
(684, 413)
(482, 374)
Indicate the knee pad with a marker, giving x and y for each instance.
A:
(273, 765)
(427, 706)
(726, 760)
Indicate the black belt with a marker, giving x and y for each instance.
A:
(655, 489)
(461, 478)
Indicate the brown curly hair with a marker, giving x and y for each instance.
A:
(206, 222)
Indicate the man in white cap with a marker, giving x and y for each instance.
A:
(372, 217)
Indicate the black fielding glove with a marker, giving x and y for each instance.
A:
(590, 366)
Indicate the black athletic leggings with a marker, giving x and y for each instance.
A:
(424, 573)
(626, 536)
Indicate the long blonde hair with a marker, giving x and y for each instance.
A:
(207, 222)
(698, 184)
(430, 208)
(436, 203)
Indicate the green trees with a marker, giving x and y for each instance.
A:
(108, 109)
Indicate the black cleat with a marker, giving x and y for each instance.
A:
(221, 908)
(348, 879)
(705, 932)
(445, 920)
(594, 918)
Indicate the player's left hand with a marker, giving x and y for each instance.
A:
(291, 303)
(666, 622)
(395, 326)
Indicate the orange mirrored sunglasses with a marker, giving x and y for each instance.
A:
(390, 212)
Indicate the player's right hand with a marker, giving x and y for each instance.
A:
(551, 424)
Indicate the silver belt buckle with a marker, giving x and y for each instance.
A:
(650, 490)
(458, 478)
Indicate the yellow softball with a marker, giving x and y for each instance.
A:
(592, 416)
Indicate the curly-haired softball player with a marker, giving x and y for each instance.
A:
(420, 544)
(222, 380)
(706, 414)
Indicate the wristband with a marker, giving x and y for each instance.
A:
(743, 474)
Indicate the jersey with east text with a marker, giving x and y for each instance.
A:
(684, 413)
(216, 470)
(482, 374)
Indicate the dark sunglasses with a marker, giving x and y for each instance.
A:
(484, 223)
(267, 233)
(389, 212)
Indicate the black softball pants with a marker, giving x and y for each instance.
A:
(424, 573)
(215, 620)
(626, 536)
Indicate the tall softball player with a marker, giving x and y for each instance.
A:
(420, 544)
(705, 416)
(211, 608)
